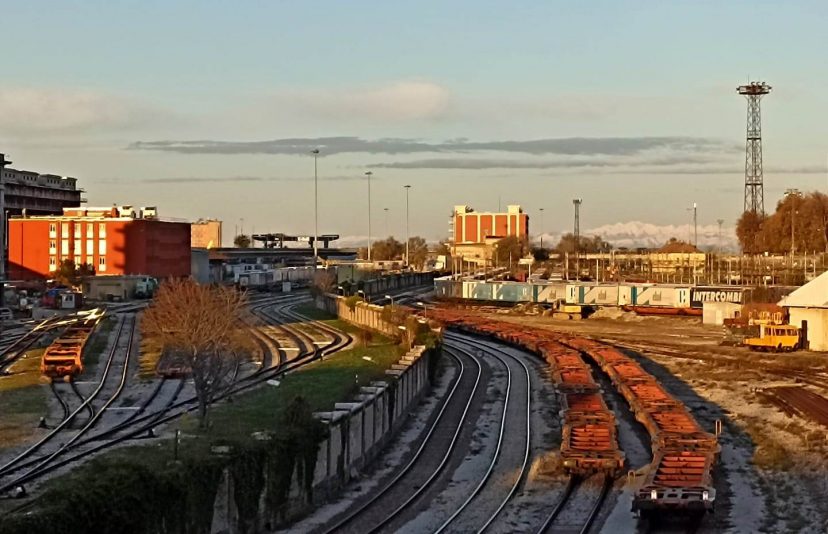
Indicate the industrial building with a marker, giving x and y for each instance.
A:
(472, 227)
(39, 194)
(205, 233)
(808, 309)
(115, 240)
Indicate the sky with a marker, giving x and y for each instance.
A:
(210, 109)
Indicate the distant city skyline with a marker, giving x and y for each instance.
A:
(211, 110)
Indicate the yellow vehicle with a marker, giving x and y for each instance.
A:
(775, 337)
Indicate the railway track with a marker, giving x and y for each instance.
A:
(567, 507)
(429, 460)
(518, 417)
(143, 424)
(38, 463)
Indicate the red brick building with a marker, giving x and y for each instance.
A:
(470, 226)
(113, 240)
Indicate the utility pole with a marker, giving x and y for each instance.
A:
(541, 229)
(695, 227)
(3, 163)
(407, 236)
(369, 174)
(315, 153)
(719, 259)
(794, 194)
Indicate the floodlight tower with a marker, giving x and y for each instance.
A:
(754, 187)
(577, 203)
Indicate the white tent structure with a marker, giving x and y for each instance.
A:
(808, 309)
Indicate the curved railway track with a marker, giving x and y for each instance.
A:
(142, 424)
(524, 411)
(581, 526)
(39, 464)
(419, 473)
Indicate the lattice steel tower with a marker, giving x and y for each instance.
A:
(754, 181)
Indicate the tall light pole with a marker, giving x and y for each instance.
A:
(3, 163)
(407, 236)
(386, 221)
(369, 174)
(541, 229)
(794, 194)
(695, 226)
(315, 153)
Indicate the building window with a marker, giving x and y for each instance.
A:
(102, 230)
(64, 230)
(64, 247)
(90, 231)
(77, 230)
(102, 246)
(52, 263)
(77, 248)
(101, 264)
(52, 247)
(52, 230)
(90, 247)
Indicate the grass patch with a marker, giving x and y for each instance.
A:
(98, 342)
(23, 399)
(322, 384)
(311, 311)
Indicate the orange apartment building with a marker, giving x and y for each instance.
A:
(114, 241)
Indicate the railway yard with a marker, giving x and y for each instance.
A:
(622, 424)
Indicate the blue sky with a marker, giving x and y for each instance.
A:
(638, 99)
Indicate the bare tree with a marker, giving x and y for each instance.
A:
(200, 325)
(323, 283)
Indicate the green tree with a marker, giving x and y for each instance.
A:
(509, 248)
(71, 275)
(242, 241)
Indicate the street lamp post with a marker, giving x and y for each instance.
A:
(3, 163)
(386, 221)
(407, 236)
(794, 193)
(425, 308)
(315, 153)
(389, 297)
(369, 174)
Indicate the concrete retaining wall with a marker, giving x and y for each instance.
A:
(358, 431)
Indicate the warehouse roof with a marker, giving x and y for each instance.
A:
(814, 294)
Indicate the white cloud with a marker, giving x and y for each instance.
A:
(38, 111)
(396, 101)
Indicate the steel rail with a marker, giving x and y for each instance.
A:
(33, 473)
(474, 342)
(7, 467)
(424, 443)
(496, 455)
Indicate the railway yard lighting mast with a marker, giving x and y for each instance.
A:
(754, 181)
(577, 203)
(369, 174)
(794, 194)
(407, 236)
(315, 153)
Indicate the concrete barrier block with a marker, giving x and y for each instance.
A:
(393, 372)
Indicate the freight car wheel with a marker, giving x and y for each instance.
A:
(779, 348)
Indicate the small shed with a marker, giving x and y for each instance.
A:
(808, 309)
(716, 312)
